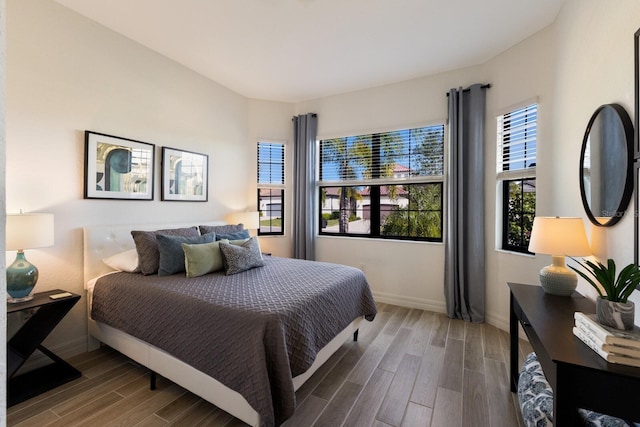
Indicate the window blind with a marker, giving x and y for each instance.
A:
(389, 156)
(270, 163)
(517, 137)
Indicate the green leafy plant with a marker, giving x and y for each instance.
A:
(613, 288)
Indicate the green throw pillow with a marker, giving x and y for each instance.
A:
(203, 258)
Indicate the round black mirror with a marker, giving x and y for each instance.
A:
(606, 165)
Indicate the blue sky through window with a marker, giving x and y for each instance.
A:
(270, 163)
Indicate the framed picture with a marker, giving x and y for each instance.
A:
(185, 175)
(117, 168)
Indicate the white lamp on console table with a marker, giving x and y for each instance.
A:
(558, 236)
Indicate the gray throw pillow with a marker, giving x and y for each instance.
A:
(221, 229)
(172, 254)
(244, 234)
(241, 258)
(147, 246)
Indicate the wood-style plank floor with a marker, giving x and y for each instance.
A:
(408, 368)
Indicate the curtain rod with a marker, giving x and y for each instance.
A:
(312, 115)
(487, 86)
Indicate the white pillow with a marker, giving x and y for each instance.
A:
(126, 261)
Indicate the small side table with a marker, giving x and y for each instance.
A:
(49, 312)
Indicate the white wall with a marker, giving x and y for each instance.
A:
(65, 75)
(583, 60)
(594, 66)
(3, 277)
(412, 273)
(405, 273)
(271, 122)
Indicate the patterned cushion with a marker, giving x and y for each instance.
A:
(594, 419)
(221, 229)
(172, 254)
(536, 400)
(241, 258)
(535, 394)
(244, 234)
(147, 246)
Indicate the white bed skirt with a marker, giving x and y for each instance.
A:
(197, 381)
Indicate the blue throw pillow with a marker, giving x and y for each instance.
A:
(172, 254)
(238, 235)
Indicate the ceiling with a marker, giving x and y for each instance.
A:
(294, 50)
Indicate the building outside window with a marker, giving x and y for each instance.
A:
(516, 172)
(383, 185)
(271, 188)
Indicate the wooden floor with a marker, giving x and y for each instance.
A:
(408, 368)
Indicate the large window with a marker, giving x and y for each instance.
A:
(516, 150)
(271, 188)
(385, 185)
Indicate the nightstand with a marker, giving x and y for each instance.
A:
(48, 313)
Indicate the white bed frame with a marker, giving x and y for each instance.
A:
(103, 241)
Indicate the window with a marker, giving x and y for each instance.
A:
(516, 150)
(271, 188)
(384, 185)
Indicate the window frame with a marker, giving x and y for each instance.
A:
(505, 214)
(376, 182)
(507, 176)
(271, 186)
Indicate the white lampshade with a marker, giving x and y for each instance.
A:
(559, 236)
(250, 220)
(29, 231)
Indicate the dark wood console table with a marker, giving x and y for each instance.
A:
(579, 377)
(48, 313)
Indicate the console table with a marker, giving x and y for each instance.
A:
(48, 313)
(579, 377)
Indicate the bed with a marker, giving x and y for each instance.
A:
(252, 349)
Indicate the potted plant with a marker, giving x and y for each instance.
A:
(612, 305)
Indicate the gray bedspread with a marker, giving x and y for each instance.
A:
(252, 331)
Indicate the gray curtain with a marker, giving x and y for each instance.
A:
(305, 128)
(464, 274)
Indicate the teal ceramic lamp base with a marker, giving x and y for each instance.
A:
(21, 279)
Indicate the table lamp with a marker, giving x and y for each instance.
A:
(250, 220)
(25, 231)
(558, 236)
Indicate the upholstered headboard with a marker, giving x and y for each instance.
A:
(101, 241)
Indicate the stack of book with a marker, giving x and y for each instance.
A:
(613, 345)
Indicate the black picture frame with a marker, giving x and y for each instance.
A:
(117, 168)
(185, 175)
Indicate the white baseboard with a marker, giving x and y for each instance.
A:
(499, 322)
(410, 302)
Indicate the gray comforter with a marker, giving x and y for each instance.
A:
(252, 331)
